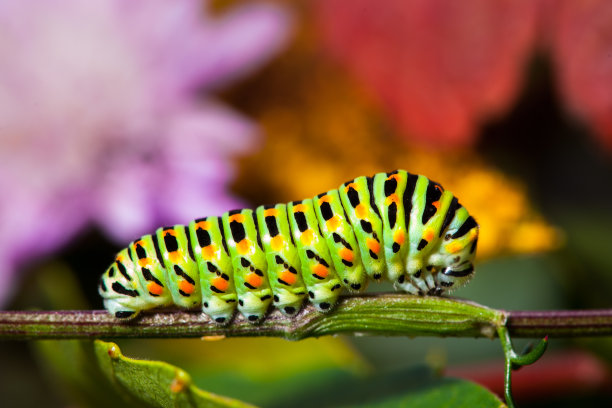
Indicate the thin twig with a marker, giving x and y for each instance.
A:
(380, 314)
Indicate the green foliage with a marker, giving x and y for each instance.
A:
(416, 386)
(269, 372)
(98, 375)
(259, 370)
(442, 393)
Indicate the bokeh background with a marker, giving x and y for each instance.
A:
(117, 117)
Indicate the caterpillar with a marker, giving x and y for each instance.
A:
(397, 226)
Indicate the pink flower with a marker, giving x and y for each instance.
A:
(105, 115)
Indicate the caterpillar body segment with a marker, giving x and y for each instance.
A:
(388, 196)
(317, 269)
(359, 203)
(397, 226)
(182, 274)
(341, 240)
(249, 263)
(219, 296)
(282, 258)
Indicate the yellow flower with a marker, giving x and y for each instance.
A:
(321, 130)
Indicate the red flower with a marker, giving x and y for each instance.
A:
(581, 36)
(440, 67)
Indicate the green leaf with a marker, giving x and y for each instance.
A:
(412, 387)
(155, 383)
(447, 392)
(98, 375)
(259, 370)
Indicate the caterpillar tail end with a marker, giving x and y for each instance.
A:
(120, 311)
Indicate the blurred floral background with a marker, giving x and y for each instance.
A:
(117, 117)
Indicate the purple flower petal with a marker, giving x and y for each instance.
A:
(99, 121)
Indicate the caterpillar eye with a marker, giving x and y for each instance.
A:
(306, 250)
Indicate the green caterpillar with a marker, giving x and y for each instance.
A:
(397, 226)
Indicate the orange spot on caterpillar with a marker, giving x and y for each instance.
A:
(154, 288)
(144, 262)
(454, 247)
(243, 246)
(270, 212)
(288, 277)
(393, 198)
(473, 233)
(254, 280)
(361, 211)
(139, 242)
(320, 270)
(333, 223)
(170, 232)
(186, 287)
(346, 254)
(436, 204)
(205, 225)
(325, 199)
(175, 256)
(349, 185)
(373, 245)
(220, 284)
(277, 243)
(299, 208)
(307, 237)
(120, 258)
(428, 235)
(399, 236)
(208, 252)
(393, 176)
(237, 218)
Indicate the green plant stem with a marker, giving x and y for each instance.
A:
(514, 361)
(380, 314)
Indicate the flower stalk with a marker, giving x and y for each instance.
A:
(379, 314)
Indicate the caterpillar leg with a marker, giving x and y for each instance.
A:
(325, 296)
(116, 308)
(288, 303)
(412, 283)
(421, 282)
(219, 310)
(254, 305)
